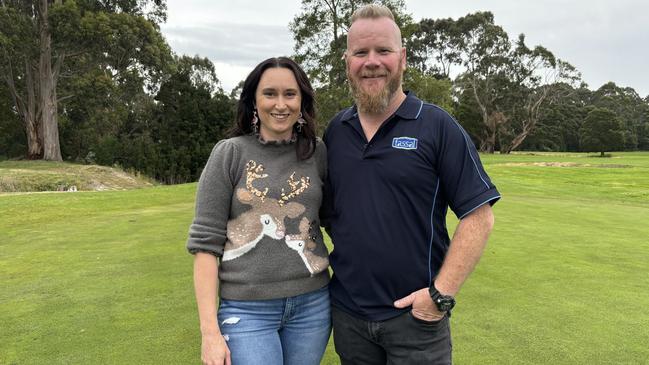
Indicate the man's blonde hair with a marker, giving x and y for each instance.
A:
(372, 11)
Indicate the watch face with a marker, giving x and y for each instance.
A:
(445, 304)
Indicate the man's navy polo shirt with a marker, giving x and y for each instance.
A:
(386, 202)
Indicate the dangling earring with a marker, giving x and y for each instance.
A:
(255, 122)
(300, 122)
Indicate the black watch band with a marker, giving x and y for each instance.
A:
(443, 302)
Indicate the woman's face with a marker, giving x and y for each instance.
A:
(278, 99)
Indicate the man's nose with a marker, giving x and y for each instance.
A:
(372, 60)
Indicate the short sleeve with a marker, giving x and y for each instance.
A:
(207, 232)
(464, 181)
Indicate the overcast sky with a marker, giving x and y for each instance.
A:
(606, 40)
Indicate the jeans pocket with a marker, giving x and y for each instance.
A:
(429, 324)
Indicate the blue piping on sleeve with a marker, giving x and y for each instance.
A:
(432, 235)
(479, 205)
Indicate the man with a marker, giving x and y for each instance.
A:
(395, 166)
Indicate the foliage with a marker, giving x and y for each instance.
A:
(12, 133)
(601, 131)
(508, 81)
(189, 120)
(429, 88)
(43, 44)
(630, 108)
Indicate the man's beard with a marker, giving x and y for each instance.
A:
(374, 103)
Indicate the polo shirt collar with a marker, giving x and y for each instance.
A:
(409, 109)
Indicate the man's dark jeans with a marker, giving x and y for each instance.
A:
(402, 340)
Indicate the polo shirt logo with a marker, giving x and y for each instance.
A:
(404, 143)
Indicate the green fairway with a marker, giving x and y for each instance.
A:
(104, 278)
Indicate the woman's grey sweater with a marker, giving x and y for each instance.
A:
(257, 210)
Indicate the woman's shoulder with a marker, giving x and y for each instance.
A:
(233, 144)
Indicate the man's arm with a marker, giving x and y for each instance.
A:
(465, 250)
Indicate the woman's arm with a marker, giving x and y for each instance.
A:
(214, 350)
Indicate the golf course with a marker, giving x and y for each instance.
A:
(103, 277)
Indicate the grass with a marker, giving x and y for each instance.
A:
(103, 277)
(30, 176)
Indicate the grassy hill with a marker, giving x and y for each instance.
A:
(31, 176)
(104, 278)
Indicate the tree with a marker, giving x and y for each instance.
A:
(484, 48)
(435, 47)
(43, 40)
(559, 123)
(534, 72)
(601, 132)
(429, 88)
(628, 106)
(508, 80)
(192, 114)
(12, 134)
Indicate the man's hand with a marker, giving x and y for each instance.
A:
(214, 350)
(422, 305)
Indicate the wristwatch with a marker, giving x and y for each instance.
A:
(443, 302)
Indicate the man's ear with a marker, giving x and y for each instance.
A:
(403, 58)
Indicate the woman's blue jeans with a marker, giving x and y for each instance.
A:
(286, 331)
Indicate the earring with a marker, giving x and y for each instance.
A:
(300, 123)
(255, 121)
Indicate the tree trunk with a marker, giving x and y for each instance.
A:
(27, 110)
(31, 118)
(51, 147)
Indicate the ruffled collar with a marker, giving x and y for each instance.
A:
(282, 142)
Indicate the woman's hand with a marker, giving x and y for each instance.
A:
(214, 350)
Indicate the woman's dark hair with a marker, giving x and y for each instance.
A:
(305, 142)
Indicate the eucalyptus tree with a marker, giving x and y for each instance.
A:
(508, 80)
(630, 108)
(45, 42)
(601, 132)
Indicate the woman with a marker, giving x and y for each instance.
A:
(256, 228)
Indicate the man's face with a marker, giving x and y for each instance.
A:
(375, 63)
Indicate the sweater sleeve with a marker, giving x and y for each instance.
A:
(207, 232)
